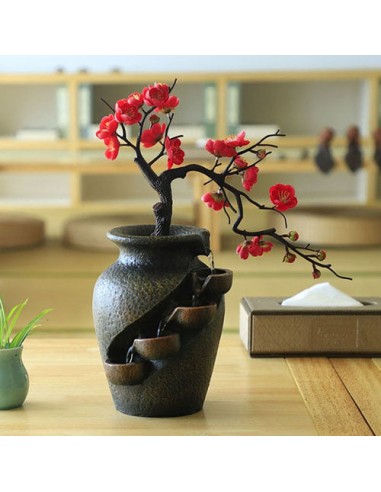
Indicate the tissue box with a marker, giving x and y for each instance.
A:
(268, 329)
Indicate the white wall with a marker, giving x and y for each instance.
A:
(170, 63)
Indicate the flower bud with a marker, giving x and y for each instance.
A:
(240, 163)
(289, 257)
(321, 255)
(316, 273)
(293, 235)
(261, 154)
(154, 119)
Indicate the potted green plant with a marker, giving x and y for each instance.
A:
(14, 380)
(137, 299)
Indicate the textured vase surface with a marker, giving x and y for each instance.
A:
(14, 381)
(153, 287)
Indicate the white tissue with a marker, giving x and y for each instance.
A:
(321, 295)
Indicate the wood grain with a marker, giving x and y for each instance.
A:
(362, 379)
(69, 395)
(332, 409)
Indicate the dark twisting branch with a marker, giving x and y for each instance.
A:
(244, 159)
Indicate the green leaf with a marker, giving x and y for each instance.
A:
(24, 332)
(3, 325)
(8, 322)
(12, 311)
(13, 317)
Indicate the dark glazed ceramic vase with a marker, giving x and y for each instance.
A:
(158, 328)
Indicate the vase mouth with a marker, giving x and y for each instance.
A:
(142, 235)
(11, 351)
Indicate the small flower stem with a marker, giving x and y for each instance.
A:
(299, 251)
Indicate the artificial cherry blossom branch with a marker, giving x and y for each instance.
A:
(139, 108)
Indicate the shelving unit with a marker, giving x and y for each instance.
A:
(52, 164)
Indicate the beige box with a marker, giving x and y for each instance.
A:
(268, 329)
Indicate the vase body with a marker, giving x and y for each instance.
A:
(147, 283)
(14, 381)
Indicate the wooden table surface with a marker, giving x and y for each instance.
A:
(69, 395)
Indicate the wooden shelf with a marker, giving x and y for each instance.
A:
(77, 157)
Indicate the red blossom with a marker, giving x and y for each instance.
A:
(283, 197)
(250, 177)
(152, 135)
(237, 140)
(112, 150)
(155, 95)
(136, 99)
(215, 200)
(169, 105)
(107, 127)
(243, 250)
(158, 95)
(174, 152)
(127, 113)
(219, 148)
(265, 246)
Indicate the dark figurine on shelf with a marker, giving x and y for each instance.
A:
(323, 157)
(353, 157)
(377, 147)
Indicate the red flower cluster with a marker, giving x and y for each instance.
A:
(226, 147)
(215, 200)
(107, 133)
(254, 247)
(174, 152)
(128, 112)
(219, 148)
